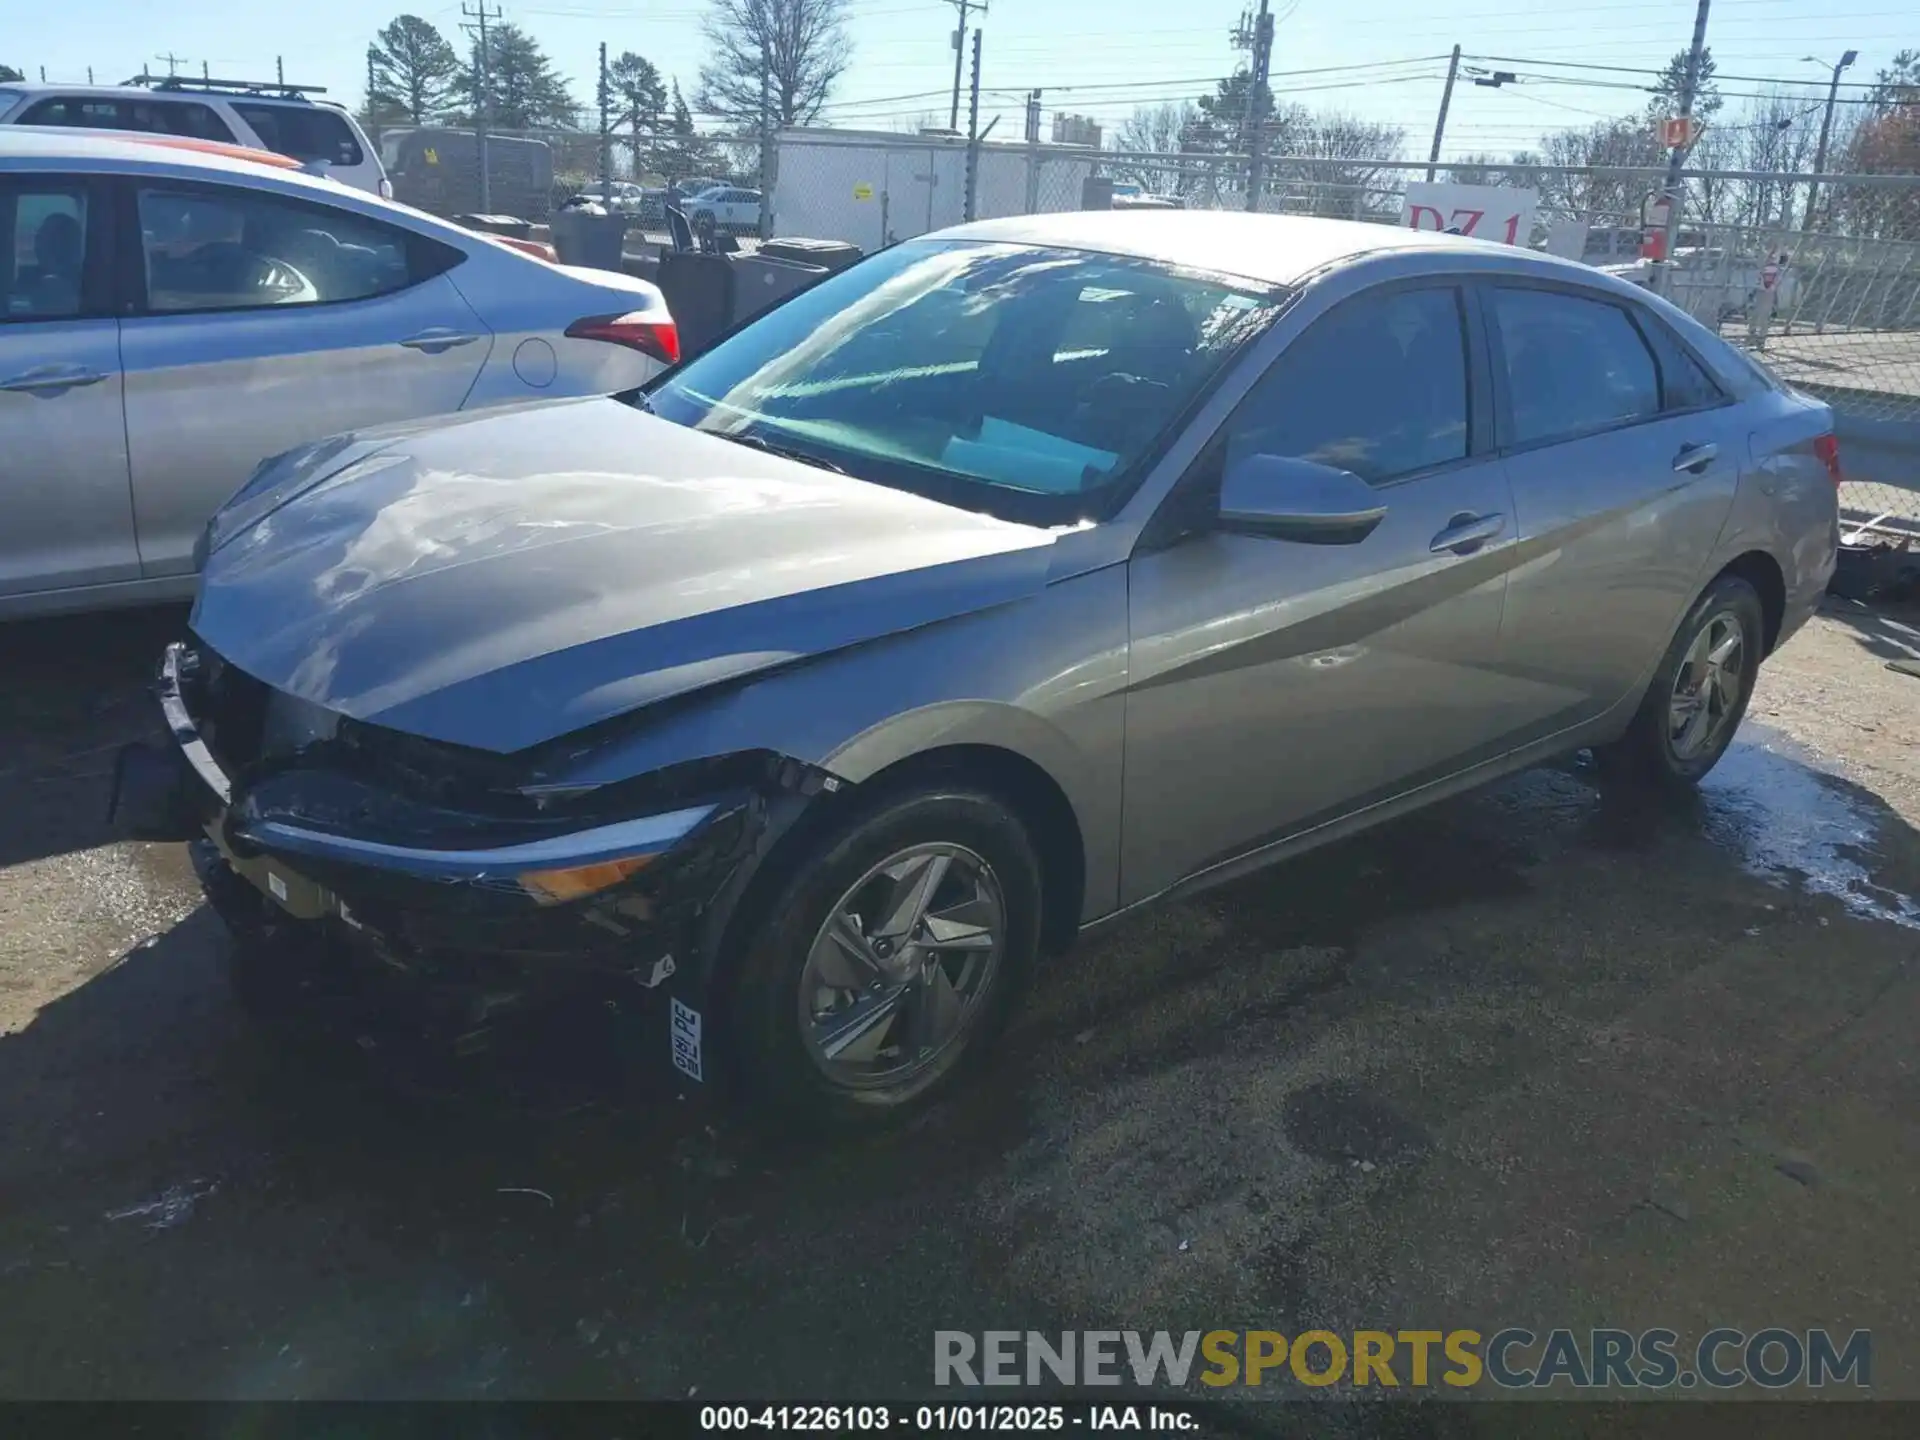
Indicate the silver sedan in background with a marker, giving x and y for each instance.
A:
(172, 313)
(1016, 576)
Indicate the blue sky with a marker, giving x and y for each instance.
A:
(1099, 57)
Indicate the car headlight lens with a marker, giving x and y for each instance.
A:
(557, 887)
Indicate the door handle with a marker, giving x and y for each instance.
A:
(1695, 458)
(438, 340)
(1466, 533)
(44, 379)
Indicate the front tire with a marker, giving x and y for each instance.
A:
(1699, 693)
(887, 960)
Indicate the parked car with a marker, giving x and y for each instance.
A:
(1711, 284)
(732, 210)
(169, 317)
(263, 115)
(1016, 576)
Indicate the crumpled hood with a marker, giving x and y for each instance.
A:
(502, 579)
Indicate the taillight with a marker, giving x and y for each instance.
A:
(642, 330)
(1827, 447)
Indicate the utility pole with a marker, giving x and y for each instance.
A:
(960, 53)
(1033, 151)
(1257, 104)
(280, 70)
(1440, 125)
(973, 133)
(1826, 134)
(766, 129)
(173, 63)
(483, 90)
(1677, 159)
(604, 93)
(205, 73)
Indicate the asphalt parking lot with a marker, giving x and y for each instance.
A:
(1547, 1055)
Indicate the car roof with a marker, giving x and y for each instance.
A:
(58, 147)
(1279, 249)
(184, 90)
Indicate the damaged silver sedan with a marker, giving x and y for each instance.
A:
(1014, 577)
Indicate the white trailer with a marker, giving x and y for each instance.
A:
(872, 188)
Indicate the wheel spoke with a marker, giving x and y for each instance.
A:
(859, 1033)
(1723, 652)
(966, 926)
(1689, 739)
(917, 884)
(1726, 685)
(935, 1010)
(842, 958)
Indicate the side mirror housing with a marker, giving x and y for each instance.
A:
(1281, 497)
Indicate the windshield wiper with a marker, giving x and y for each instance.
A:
(785, 452)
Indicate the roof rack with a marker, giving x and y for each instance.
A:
(241, 87)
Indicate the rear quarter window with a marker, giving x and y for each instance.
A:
(158, 117)
(305, 133)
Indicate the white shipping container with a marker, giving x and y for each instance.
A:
(873, 189)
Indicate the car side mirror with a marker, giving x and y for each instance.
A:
(1282, 497)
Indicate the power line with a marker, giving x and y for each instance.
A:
(1661, 70)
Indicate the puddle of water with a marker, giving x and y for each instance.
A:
(1789, 819)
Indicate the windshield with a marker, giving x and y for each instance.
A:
(1029, 383)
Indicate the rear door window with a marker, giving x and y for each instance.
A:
(1573, 366)
(305, 132)
(216, 248)
(43, 250)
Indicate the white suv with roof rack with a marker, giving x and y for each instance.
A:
(264, 114)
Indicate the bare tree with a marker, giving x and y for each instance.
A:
(792, 51)
(1164, 129)
(1338, 181)
(1156, 129)
(1605, 145)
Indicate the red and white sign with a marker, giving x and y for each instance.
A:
(1486, 212)
(1678, 132)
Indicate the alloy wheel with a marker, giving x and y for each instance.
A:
(1706, 689)
(900, 969)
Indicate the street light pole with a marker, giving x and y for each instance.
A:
(1826, 132)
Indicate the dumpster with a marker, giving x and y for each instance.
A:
(831, 255)
(699, 291)
(589, 235)
(761, 281)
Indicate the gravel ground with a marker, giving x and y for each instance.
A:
(1543, 1056)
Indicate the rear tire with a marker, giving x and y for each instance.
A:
(1699, 693)
(887, 960)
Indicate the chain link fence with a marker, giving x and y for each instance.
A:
(532, 173)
